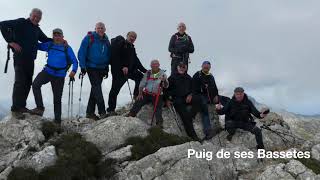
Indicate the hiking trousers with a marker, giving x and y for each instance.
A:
(231, 127)
(117, 82)
(96, 95)
(57, 84)
(147, 98)
(23, 69)
(180, 105)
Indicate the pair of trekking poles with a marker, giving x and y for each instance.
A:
(70, 96)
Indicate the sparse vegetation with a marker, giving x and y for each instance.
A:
(157, 138)
(49, 128)
(77, 159)
(312, 164)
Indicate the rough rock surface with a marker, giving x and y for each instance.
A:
(108, 134)
(21, 144)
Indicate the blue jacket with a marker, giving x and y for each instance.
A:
(94, 54)
(57, 60)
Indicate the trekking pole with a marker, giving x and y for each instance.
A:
(72, 80)
(174, 112)
(156, 103)
(69, 100)
(80, 77)
(130, 91)
(8, 59)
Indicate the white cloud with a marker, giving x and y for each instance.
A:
(270, 47)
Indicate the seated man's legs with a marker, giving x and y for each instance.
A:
(251, 126)
(200, 103)
(181, 108)
(231, 127)
(139, 104)
(158, 113)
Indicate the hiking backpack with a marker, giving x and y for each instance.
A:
(66, 68)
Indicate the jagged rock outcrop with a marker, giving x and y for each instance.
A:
(21, 144)
(292, 170)
(108, 134)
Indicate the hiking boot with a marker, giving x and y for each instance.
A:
(131, 114)
(196, 138)
(25, 110)
(160, 124)
(229, 137)
(103, 116)
(260, 147)
(92, 116)
(112, 113)
(209, 134)
(18, 115)
(37, 111)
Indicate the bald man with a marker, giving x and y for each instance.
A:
(180, 46)
(22, 36)
(94, 55)
(151, 91)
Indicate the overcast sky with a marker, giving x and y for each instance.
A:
(269, 47)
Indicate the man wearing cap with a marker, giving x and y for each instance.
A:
(179, 93)
(60, 58)
(22, 35)
(94, 58)
(205, 92)
(151, 91)
(238, 115)
(180, 46)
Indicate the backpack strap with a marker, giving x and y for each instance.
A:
(68, 59)
(91, 38)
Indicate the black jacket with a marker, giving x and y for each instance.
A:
(180, 85)
(202, 82)
(25, 34)
(180, 46)
(123, 54)
(239, 111)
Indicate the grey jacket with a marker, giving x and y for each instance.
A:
(150, 82)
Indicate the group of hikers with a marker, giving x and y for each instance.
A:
(96, 53)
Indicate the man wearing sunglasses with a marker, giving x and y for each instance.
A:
(22, 35)
(60, 58)
(179, 93)
(180, 46)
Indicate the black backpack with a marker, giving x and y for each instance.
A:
(69, 62)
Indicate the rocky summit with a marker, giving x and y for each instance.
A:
(120, 147)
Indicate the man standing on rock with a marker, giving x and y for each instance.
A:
(23, 35)
(125, 65)
(179, 93)
(151, 90)
(205, 92)
(94, 55)
(60, 58)
(180, 46)
(238, 115)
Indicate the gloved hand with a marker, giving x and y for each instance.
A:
(83, 71)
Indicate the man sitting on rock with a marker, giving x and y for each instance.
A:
(151, 90)
(238, 115)
(204, 92)
(179, 93)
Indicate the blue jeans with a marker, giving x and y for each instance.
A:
(200, 104)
